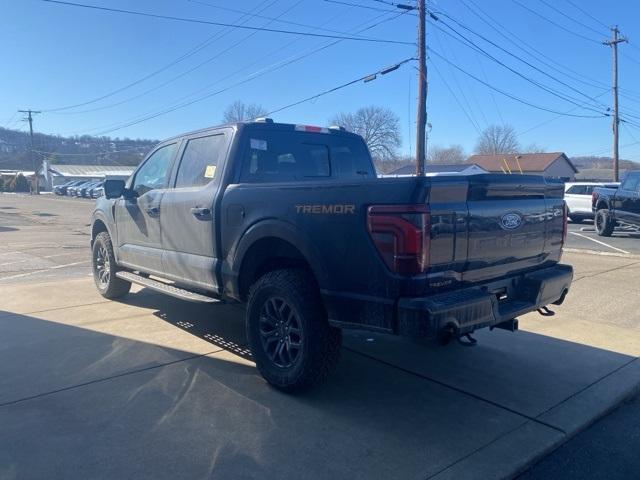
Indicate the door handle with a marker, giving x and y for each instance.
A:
(153, 211)
(201, 213)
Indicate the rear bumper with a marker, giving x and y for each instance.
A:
(489, 304)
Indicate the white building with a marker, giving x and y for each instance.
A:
(50, 176)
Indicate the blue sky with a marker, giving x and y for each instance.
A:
(56, 56)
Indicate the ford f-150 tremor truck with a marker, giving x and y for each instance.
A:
(617, 206)
(292, 221)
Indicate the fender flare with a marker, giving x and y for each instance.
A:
(98, 215)
(273, 228)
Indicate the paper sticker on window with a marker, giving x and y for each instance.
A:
(210, 171)
(258, 144)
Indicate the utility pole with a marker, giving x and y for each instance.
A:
(422, 90)
(616, 120)
(35, 187)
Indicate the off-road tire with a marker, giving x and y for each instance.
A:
(109, 286)
(320, 343)
(604, 223)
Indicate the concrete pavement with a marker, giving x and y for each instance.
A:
(156, 387)
(153, 387)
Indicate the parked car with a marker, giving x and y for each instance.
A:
(577, 196)
(85, 189)
(620, 206)
(74, 191)
(292, 221)
(96, 190)
(62, 189)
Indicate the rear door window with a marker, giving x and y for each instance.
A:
(277, 156)
(200, 161)
(631, 183)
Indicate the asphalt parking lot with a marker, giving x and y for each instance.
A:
(584, 237)
(154, 387)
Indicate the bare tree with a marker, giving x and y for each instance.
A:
(534, 148)
(497, 139)
(453, 154)
(239, 111)
(379, 127)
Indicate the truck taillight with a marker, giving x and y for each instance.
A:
(401, 235)
(594, 197)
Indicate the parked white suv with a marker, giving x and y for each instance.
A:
(578, 198)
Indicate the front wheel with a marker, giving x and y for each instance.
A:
(292, 343)
(105, 268)
(603, 222)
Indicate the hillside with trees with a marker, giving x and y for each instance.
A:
(76, 150)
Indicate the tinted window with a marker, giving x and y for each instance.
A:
(155, 171)
(200, 160)
(294, 156)
(577, 190)
(631, 183)
(352, 160)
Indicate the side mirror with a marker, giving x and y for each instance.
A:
(114, 188)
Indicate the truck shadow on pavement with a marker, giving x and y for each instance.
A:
(80, 394)
(522, 372)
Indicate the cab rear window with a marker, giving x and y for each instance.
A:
(280, 156)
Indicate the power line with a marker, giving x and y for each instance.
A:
(265, 17)
(468, 90)
(349, 4)
(10, 119)
(365, 78)
(553, 118)
(508, 53)
(565, 29)
(192, 69)
(527, 48)
(455, 97)
(513, 97)
(403, 6)
(570, 2)
(181, 58)
(271, 68)
(221, 24)
(578, 22)
(471, 114)
(550, 90)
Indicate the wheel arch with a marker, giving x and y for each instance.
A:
(602, 203)
(268, 246)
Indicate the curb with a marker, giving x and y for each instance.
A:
(516, 451)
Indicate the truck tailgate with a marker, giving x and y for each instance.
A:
(515, 222)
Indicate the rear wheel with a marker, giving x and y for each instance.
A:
(575, 219)
(105, 268)
(604, 223)
(292, 343)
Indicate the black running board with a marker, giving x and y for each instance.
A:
(166, 288)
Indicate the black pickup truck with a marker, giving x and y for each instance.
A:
(617, 206)
(293, 221)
